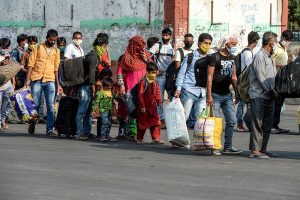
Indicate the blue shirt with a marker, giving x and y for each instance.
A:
(186, 77)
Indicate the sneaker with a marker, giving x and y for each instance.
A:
(216, 152)
(241, 128)
(81, 137)
(110, 139)
(42, 121)
(51, 133)
(31, 128)
(102, 139)
(278, 130)
(232, 151)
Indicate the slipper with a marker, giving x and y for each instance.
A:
(259, 156)
(140, 142)
(157, 142)
(4, 126)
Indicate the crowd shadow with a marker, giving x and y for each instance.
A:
(148, 147)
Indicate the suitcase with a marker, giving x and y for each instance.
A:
(66, 116)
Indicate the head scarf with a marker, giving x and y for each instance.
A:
(131, 59)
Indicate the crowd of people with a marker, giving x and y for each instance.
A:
(143, 68)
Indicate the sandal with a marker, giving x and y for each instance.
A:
(4, 126)
(157, 142)
(140, 142)
(259, 156)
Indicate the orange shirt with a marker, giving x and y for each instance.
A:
(44, 64)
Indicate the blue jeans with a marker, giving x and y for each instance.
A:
(5, 103)
(225, 103)
(48, 88)
(105, 120)
(162, 86)
(192, 118)
(83, 117)
(240, 112)
(189, 100)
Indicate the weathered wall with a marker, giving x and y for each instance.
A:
(237, 17)
(121, 19)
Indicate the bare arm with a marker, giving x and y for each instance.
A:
(210, 75)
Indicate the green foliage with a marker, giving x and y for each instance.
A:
(294, 14)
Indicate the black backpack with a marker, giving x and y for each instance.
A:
(201, 66)
(172, 72)
(238, 61)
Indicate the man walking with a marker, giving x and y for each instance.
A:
(42, 75)
(163, 56)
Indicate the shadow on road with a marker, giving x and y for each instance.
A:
(163, 149)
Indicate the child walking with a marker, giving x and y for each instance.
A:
(102, 110)
(149, 99)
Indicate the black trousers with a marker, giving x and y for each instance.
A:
(277, 111)
(262, 111)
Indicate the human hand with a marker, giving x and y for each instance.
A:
(177, 93)
(143, 110)
(209, 100)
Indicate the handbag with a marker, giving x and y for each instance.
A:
(9, 70)
(208, 132)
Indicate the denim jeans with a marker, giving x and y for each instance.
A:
(5, 103)
(41, 111)
(225, 103)
(48, 88)
(240, 112)
(105, 120)
(192, 118)
(83, 117)
(189, 100)
(162, 86)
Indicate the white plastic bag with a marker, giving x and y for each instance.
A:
(176, 125)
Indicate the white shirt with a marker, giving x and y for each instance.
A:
(165, 56)
(72, 51)
(178, 55)
(246, 59)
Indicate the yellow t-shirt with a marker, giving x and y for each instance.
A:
(44, 63)
(280, 55)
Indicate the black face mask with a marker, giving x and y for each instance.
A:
(165, 41)
(50, 44)
(188, 45)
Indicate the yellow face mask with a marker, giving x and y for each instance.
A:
(204, 48)
(107, 93)
(150, 76)
(32, 46)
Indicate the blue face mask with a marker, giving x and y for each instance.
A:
(232, 50)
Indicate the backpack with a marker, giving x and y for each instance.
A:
(132, 97)
(243, 84)
(287, 81)
(159, 49)
(201, 66)
(172, 72)
(238, 61)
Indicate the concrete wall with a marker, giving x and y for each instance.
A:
(121, 19)
(237, 17)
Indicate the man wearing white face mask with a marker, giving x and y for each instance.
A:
(74, 49)
(280, 57)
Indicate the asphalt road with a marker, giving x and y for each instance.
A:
(48, 168)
